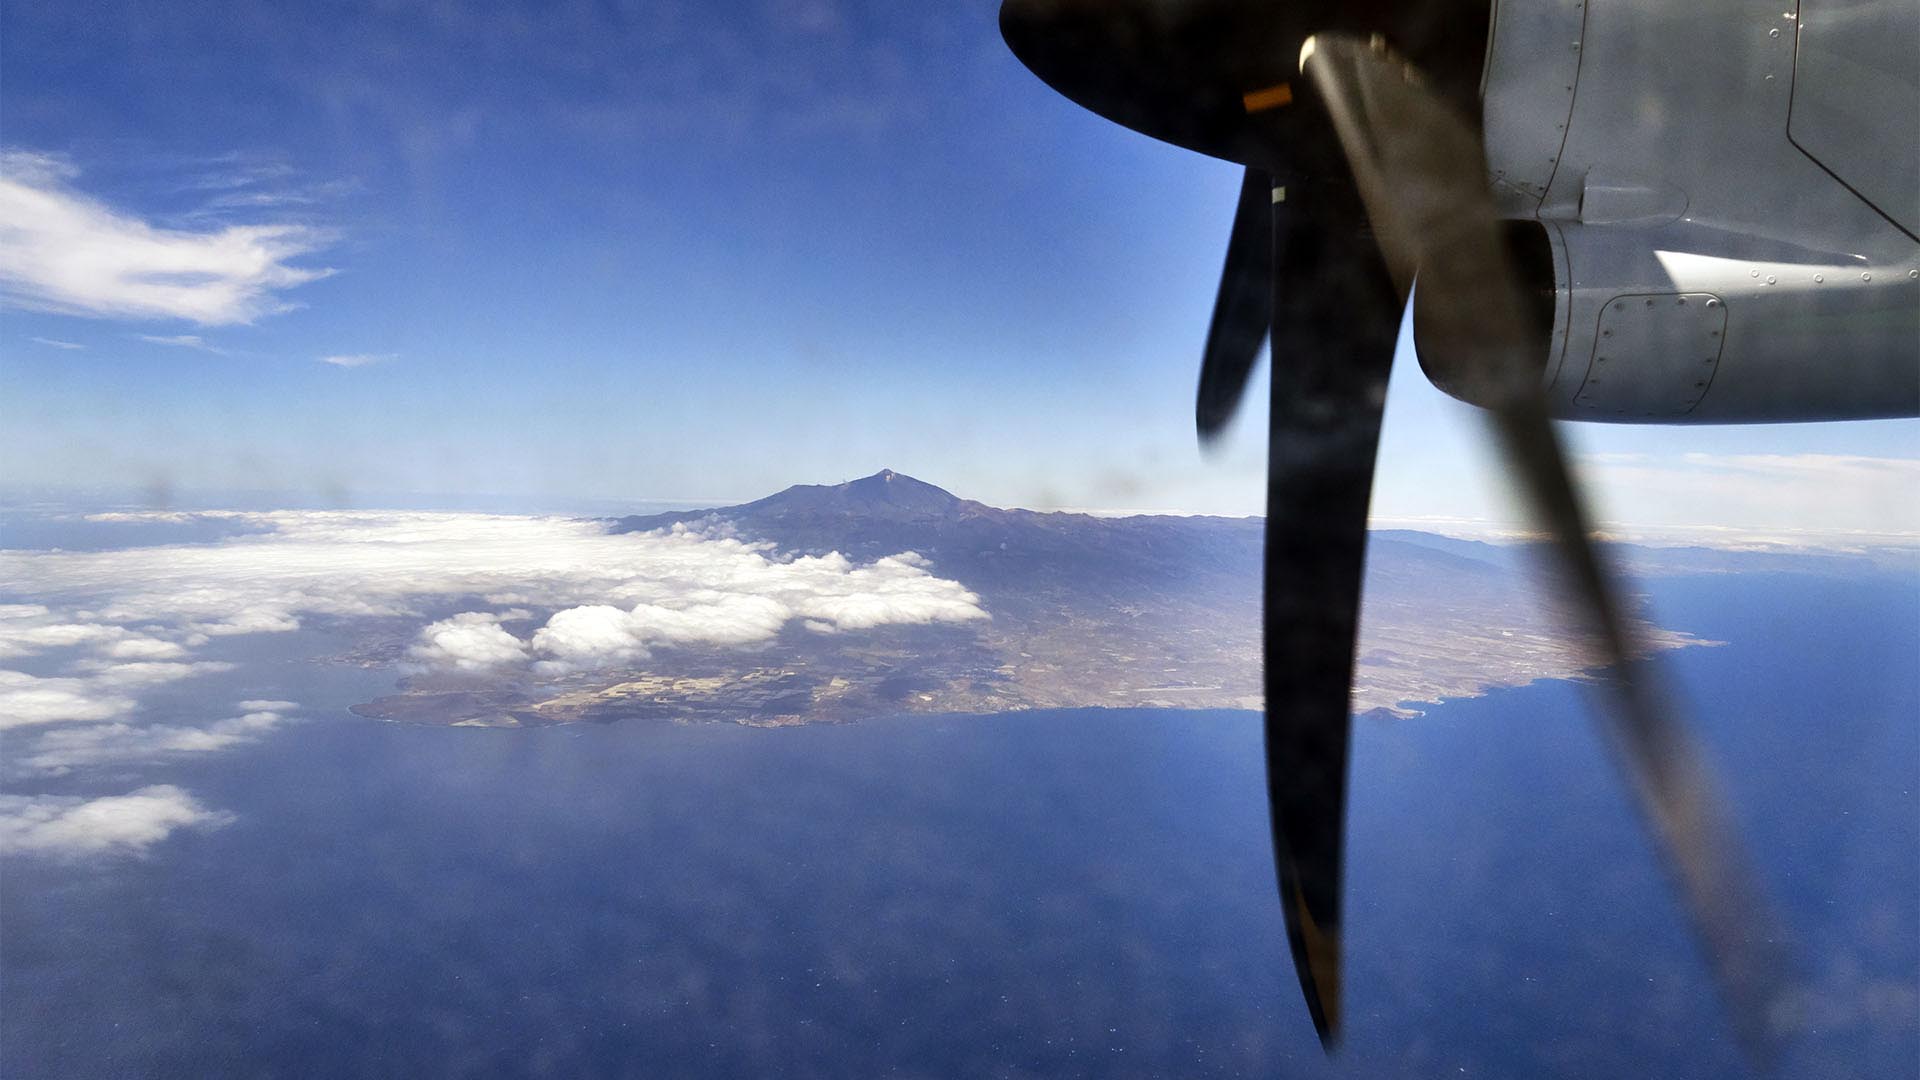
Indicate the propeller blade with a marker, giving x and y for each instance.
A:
(1421, 171)
(1242, 311)
(1675, 789)
(1335, 323)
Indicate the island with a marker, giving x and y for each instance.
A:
(1084, 611)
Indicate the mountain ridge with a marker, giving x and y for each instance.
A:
(1140, 611)
(887, 495)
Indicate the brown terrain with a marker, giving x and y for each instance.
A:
(1137, 612)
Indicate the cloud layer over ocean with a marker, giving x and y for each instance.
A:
(99, 628)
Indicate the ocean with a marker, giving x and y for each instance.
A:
(1084, 892)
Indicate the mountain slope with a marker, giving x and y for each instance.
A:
(1083, 610)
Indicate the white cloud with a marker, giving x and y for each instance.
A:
(166, 517)
(182, 341)
(262, 620)
(668, 587)
(99, 691)
(593, 633)
(31, 628)
(65, 252)
(137, 616)
(101, 686)
(144, 673)
(31, 167)
(241, 183)
(113, 824)
(62, 749)
(21, 636)
(235, 171)
(827, 593)
(1819, 500)
(144, 648)
(472, 641)
(56, 343)
(353, 360)
(267, 705)
(29, 699)
(596, 635)
(1814, 502)
(888, 591)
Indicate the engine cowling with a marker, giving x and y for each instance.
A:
(1680, 324)
(1714, 206)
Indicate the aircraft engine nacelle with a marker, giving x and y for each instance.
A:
(1667, 325)
(1717, 203)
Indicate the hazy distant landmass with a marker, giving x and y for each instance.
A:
(1145, 611)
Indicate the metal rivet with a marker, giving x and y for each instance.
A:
(1619, 307)
(1753, 273)
(1600, 359)
(1680, 300)
(1818, 278)
(1866, 277)
(1713, 303)
(1708, 360)
(1649, 302)
(1606, 333)
(1769, 77)
(1913, 274)
(1775, 32)
(1698, 385)
(1770, 279)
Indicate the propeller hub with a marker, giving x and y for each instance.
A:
(1221, 76)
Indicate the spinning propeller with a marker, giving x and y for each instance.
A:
(1363, 171)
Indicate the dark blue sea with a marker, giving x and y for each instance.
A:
(1064, 893)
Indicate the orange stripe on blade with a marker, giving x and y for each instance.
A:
(1271, 98)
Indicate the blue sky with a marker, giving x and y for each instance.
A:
(579, 252)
